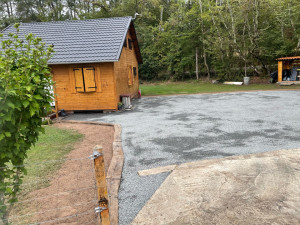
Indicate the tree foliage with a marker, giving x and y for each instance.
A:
(234, 37)
(25, 96)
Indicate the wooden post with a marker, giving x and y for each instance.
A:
(279, 71)
(197, 69)
(56, 108)
(101, 184)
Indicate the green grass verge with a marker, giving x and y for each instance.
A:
(42, 162)
(201, 87)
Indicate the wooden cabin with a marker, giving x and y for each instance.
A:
(95, 61)
(290, 66)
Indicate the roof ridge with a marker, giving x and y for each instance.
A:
(74, 21)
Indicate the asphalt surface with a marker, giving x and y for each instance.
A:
(167, 130)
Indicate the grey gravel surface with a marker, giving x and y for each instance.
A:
(166, 130)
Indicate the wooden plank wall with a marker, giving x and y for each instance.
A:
(68, 99)
(127, 58)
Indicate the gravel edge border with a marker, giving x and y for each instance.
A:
(220, 92)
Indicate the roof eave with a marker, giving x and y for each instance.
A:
(123, 39)
(135, 43)
(131, 29)
(83, 62)
(291, 58)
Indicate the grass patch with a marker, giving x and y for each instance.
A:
(42, 162)
(164, 88)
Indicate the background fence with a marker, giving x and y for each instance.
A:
(65, 194)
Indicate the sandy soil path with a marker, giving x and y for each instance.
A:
(71, 197)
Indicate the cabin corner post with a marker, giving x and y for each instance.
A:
(55, 103)
(280, 71)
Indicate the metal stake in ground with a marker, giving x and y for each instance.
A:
(101, 185)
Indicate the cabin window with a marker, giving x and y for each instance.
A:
(134, 71)
(130, 43)
(130, 76)
(85, 79)
(125, 43)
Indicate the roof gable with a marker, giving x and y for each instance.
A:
(81, 41)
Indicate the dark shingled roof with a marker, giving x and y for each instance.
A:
(83, 41)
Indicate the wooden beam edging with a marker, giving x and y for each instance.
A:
(114, 172)
(86, 122)
(114, 175)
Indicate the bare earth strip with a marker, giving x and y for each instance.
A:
(72, 195)
(260, 188)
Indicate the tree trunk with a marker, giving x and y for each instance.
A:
(161, 18)
(218, 32)
(203, 45)
(206, 65)
(197, 70)
(8, 10)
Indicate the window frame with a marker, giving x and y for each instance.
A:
(82, 79)
(130, 46)
(130, 76)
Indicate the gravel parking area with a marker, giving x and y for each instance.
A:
(167, 130)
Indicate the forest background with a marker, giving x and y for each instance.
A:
(228, 38)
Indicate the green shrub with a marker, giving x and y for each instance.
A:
(25, 85)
